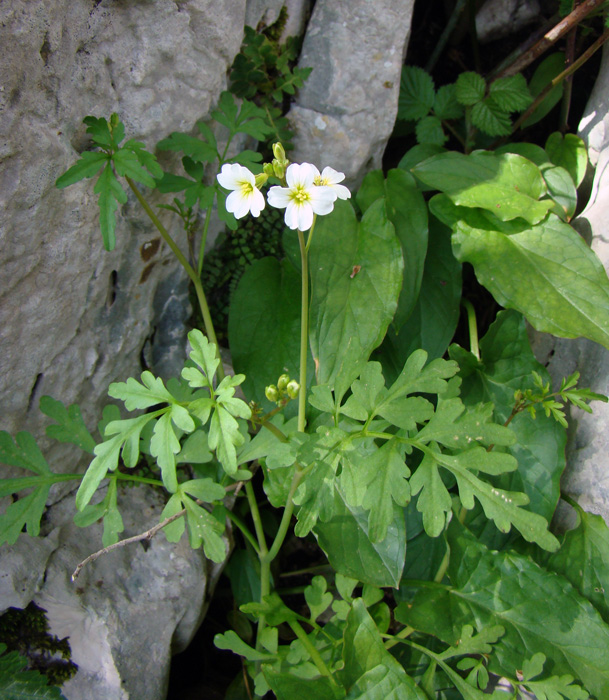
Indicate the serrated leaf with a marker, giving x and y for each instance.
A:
(446, 105)
(511, 94)
(19, 684)
(429, 130)
(89, 164)
(417, 93)
(490, 118)
(98, 129)
(148, 160)
(470, 88)
(70, 426)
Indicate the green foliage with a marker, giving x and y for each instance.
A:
(264, 71)
(17, 684)
(25, 633)
(486, 107)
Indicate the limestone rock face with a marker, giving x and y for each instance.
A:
(74, 318)
(587, 474)
(345, 112)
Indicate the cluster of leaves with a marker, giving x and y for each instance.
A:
(19, 684)
(27, 632)
(131, 160)
(264, 71)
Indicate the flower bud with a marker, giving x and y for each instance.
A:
(282, 382)
(271, 393)
(261, 179)
(278, 152)
(293, 388)
(268, 169)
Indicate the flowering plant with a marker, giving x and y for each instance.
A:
(414, 473)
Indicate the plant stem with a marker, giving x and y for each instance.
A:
(190, 271)
(550, 38)
(296, 627)
(473, 327)
(448, 30)
(236, 520)
(137, 479)
(204, 239)
(559, 78)
(304, 330)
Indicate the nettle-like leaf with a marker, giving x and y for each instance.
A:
(470, 88)
(248, 119)
(511, 94)
(16, 683)
(417, 93)
(446, 105)
(429, 131)
(489, 117)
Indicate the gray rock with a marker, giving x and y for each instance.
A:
(587, 474)
(128, 611)
(500, 18)
(345, 112)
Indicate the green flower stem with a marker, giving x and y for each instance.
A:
(265, 570)
(308, 645)
(304, 327)
(137, 479)
(204, 239)
(236, 520)
(285, 520)
(473, 327)
(196, 280)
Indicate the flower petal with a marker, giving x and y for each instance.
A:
(331, 176)
(291, 215)
(256, 202)
(304, 216)
(279, 197)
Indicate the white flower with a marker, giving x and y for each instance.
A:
(245, 196)
(302, 198)
(330, 178)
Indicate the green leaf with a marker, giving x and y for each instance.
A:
(287, 686)
(446, 105)
(511, 94)
(507, 363)
(470, 88)
(111, 194)
(23, 452)
(387, 485)
(553, 688)
(434, 502)
(562, 190)
(90, 164)
(205, 490)
(546, 272)
(204, 354)
(230, 641)
(583, 559)
(69, 426)
(568, 151)
(429, 130)
(368, 667)
(509, 589)
(195, 449)
(128, 164)
(264, 325)
(317, 597)
(548, 69)
(507, 185)
(224, 437)
(204, 529)
(113, 522)
(435, 315)
(149, 393)
(19, 684)
(490, 118)
(417, 93)
(123, 434)
(99, 130)
(148, 160)
(353, 299)
(26, 512)
(164, 446)
(174, 530)
(407, 212)
(345, 538)
(195, 148)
